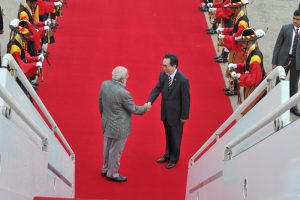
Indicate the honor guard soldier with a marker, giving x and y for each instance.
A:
(253, 70)
(227, 35)
(17, 47)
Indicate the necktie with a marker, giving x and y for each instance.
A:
(169, 82)
(296, 38)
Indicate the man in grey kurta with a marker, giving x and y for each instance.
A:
(116, 106)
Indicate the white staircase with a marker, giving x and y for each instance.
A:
(257, 158)
(33, 161)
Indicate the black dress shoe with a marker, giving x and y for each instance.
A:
(231, 93)
(295, 111)
(162, 160)
(103, 173)
(212, 31)
(226, 89)
(218, 57)
(203, 9)
(221, 60)
(117, 179)
(171, 165)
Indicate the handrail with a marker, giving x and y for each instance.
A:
(8, 60)
(270, 117)
(277, 72)
(22, 113)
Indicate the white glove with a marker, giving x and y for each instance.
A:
(14, 24)
(59, 4)
(41, 57)
(260, 33)
(210, 5)
(235, 75)
(39, 64)
(46, 28)
(232, 66)
(48, 22)
(212, 10)
(220, 36)
(245, 1)
(220, 29)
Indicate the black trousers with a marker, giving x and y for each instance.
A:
(294, 75)
(173, 141)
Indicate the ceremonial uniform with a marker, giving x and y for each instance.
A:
(228, 34)
(17, 47)
(253, 70)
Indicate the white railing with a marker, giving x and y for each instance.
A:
(266, 83)
(22, 113)
(8, 60)
(252, 130)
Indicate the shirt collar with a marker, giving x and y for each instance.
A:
(173, 74)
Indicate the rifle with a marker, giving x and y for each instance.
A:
(41, 74)
(65, 3)
(46, 55)
(47, 60)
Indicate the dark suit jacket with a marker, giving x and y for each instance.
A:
(283, 45)
(175, 104)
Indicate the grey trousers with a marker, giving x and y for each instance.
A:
(113, 149)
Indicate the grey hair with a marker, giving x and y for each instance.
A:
(119, 73)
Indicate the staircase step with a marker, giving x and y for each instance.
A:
(55, 198)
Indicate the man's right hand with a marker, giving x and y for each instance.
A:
(232, 66)
(220, 29)
(212, 10)
(41, 57)
(39, 64)
(148, 106)
(59, 4)
(210, 5)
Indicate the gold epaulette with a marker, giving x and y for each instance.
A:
(255, 58)
(244, 24)
(23, 16)
(14, 48)
(36, 16)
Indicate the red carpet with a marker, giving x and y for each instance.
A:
(95, 36)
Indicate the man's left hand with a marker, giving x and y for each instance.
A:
(183, 120)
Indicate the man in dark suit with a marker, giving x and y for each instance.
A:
(287, 53)
(175, 106)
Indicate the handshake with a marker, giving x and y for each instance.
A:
(148, 106)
